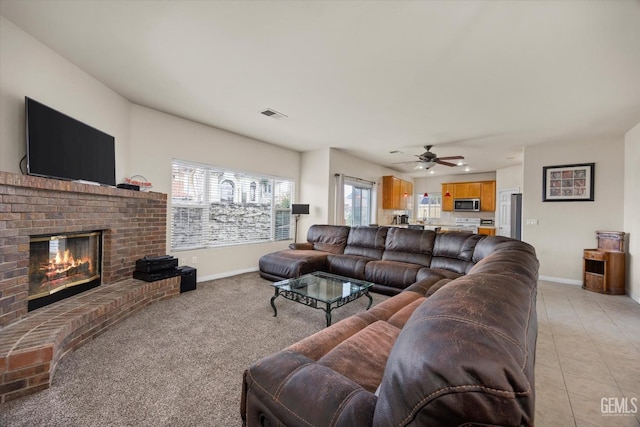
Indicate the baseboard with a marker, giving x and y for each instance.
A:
(226, 274)
(561, 280)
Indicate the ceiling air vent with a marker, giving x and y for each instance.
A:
(270, 112)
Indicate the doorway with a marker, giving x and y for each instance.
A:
(503, 219)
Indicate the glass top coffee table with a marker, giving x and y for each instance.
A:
(321, 290)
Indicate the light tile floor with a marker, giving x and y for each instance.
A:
(588, 350)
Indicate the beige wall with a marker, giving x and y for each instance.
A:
(29, 68)
(157, 138)
(318, 183)
(146, 140)
(566, 228)
(314, 190)
(632, 210)
(507, 178)
(345, 164)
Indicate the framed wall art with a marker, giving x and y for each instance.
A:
(568, 183)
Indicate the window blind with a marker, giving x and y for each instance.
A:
(212, 206)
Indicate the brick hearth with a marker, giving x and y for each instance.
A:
(133, 225)
(31, 348)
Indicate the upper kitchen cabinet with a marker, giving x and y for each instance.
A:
(447, 197)
(488, 196)
(467, 190)
(397, 194)
(483, 190)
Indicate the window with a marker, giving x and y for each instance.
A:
(357, 202)
(212, 207)
(430, 206)
(226, 191)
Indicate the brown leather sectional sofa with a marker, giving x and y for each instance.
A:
(454, 345)
(392, 258)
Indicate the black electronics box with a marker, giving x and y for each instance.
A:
(158, 263)
(188, 278)
(129, 187)
(156, 275)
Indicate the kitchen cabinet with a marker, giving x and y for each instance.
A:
(397, 194)
(488, 231)
(447, 201)
(467, 190)
(483, 190)
(488, 196)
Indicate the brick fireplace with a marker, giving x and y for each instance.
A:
(132, 224)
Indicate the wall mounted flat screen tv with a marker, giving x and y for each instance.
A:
(59, 146)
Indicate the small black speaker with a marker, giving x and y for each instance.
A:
(187, 278)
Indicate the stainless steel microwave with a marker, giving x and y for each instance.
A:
(466, 205)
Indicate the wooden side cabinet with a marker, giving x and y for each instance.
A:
(604, 271)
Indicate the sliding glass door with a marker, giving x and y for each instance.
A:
(357, 203)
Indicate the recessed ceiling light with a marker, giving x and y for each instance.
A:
(467, 169)
(460, 163)
(431, 172)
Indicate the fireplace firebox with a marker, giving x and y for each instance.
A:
(63, 265)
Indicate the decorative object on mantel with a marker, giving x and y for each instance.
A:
(140, 181)
(604, 267)
(568, 183)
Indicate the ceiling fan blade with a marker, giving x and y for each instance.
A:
(406, 163)
(445, 163)
(452, 158)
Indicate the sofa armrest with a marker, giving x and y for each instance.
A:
(290, 389)
(303, 245)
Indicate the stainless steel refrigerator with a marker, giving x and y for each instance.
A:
(516, 216)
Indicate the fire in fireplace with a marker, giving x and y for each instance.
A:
(62, 265)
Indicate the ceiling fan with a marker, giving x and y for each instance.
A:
(428, 159)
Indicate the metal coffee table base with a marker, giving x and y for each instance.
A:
(313, 302)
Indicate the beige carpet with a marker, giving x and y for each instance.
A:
(175, 363)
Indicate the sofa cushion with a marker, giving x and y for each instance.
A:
(363, 245)
(328, 238)
(465, 356)
(429, 284)
(454, 251)
(392, 273)
(392, 306)
(347, 265)
(492, 244)
(401, 316)
(436, 274)
(372, 346)
(291, 263)
(289, 389)
(409, 246)
(366, 241)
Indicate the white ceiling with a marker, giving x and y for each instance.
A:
(480, 79)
